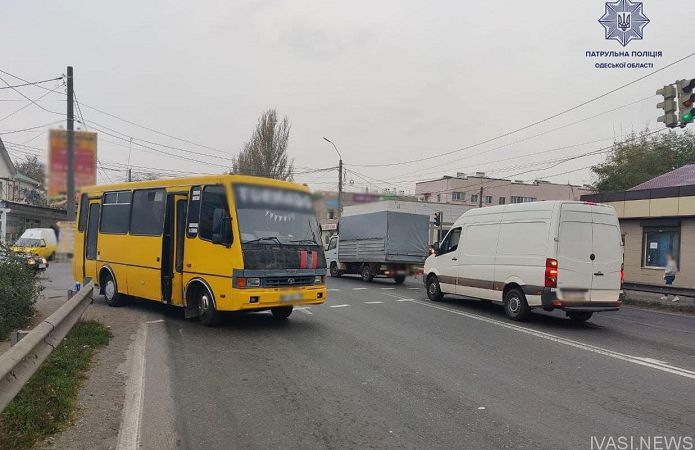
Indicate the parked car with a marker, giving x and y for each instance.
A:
(37, 241)
(33, 262)
(553, 255)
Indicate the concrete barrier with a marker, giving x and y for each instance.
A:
(21, 361)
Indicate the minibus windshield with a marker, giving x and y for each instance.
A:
(273, 216)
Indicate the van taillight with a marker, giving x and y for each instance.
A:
(551, 273)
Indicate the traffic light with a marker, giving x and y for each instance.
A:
(438, 219)
(686, 101)
(668, 106)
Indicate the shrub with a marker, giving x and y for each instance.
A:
(19, 289)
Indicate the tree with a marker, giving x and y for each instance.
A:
(265, 155)
(643, 156)
(33, 168)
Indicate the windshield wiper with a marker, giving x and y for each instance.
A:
(271, 238)
(305, 241)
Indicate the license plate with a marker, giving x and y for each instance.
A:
(574, 296)
(291, 297)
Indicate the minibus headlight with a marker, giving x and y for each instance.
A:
(253, 282)
(318, 279)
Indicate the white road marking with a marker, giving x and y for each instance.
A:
(388, 289)
(481, 407)
(129, 433)
(414, 288)
(372, 303)
(338, 306)
(572, 343)
(359, 289)
(405, 300)
(155, 321)
(305, 310)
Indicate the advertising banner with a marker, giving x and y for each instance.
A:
(85, 161)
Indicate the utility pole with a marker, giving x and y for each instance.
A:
(130, 175)
(71, 149)
(480, 200)
(340, 178)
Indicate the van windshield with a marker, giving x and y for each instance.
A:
(275, 216)
(29, 242)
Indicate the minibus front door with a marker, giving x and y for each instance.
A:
(91, 252)
(172, 249)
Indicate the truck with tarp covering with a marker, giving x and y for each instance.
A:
(379, 244)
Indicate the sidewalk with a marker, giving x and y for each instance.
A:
(654, 300)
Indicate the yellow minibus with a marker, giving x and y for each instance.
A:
(207, 244)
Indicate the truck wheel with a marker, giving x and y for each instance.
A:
(515, 305)
(335, 273)
(111, 295)
(399, 279)
(207, 313)
(579, 316)
(281, 312)
(366, 273)
(434, 291)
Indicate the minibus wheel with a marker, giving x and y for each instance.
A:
(515, 305)
(207, 313)
(282, 312)
(399, 279)
(111, 295)
(579, 316)
(434, 291)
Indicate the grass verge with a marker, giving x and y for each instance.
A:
(47, 402)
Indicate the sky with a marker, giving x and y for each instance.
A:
(389, 81)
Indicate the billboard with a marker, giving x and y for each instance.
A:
(85, 161)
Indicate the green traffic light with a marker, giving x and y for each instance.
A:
(688, 117)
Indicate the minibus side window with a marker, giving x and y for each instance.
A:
(147, 217)
(84, 212)
(193, 212)
(115, 212)
(214, 216)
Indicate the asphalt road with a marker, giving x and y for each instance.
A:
(379, 366)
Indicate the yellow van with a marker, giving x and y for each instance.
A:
(37, 241)
(207, 244)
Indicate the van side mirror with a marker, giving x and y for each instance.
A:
(43, 243)
(435, 247)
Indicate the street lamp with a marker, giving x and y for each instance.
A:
(340, 177)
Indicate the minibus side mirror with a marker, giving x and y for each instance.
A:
(222, 228)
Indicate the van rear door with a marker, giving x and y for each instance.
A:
(575, 268)
(608, 255)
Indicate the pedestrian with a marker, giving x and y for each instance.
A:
(670, 275)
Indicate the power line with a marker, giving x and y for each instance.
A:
(30, 100)
(31, 103)
(31, 128)
(509, 133)
(31, 83)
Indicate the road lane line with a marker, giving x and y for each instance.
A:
(359, 289)
(572, 343)
(414, 288)
(338, 306)
(155, 321)
(405, 300)
(129, 433)
(372, 303)
(388, 289)
(305, 310)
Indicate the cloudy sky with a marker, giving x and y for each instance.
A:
(389, 81)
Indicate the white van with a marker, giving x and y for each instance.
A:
(552, 255)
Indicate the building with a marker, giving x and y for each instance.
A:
(15, 186)
(449, 213)
(326, 205)
(476, 189)
(657, 218)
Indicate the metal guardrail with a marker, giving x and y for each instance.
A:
(22, 360)
(672, 290)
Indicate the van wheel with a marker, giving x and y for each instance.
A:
(51, 257)
(282, 312)
(335, 273)
(399, 279)
(434, 291)
(515, 305)
(207, 313)
(579, 316)
(366, 273)
(111, 295)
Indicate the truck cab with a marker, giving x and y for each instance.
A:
(332, 256)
